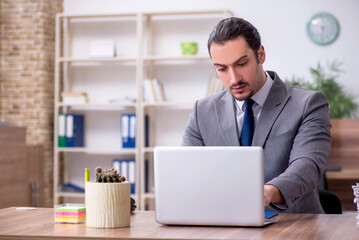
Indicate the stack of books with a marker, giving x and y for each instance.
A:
(356, 199)
(153, 91)
(74, 97)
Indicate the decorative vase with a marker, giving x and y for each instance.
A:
(108, 204)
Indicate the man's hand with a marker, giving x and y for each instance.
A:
(272, 194)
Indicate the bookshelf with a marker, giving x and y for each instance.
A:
(147, 46)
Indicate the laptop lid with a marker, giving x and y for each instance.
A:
(209, 185)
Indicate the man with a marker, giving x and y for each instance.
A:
(291, 124)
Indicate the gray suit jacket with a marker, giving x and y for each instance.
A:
(293, 129)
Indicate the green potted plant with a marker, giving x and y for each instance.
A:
(342, 104)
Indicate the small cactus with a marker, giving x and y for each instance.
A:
(108, 175)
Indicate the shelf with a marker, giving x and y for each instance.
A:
(113, 15)
(96, 151)
(97, 60)
(177, 58)
(148, 195)
(185, 105)
(148, 150)
(98, 106)
(80, 195)
(184, 13)
(146, 49)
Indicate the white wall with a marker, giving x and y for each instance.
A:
(281, 23)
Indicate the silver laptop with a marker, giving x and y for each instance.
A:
(209, 186)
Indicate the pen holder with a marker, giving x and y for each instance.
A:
(108, 204)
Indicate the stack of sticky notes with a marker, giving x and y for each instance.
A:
(70, 213)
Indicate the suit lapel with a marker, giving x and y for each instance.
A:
(226, 118)
(275, 102)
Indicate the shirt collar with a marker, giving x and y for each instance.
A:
(261, 95)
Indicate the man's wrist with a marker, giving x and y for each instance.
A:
(273, 193)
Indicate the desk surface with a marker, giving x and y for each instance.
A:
(39, 224)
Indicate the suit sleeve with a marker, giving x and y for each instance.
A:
(192, 135)
(309, 153)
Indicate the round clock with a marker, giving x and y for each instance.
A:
(323, 28)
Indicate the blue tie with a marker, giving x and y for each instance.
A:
(248, 124)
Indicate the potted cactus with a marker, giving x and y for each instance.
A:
(108, 200)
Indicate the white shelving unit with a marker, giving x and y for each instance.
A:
(147, 46)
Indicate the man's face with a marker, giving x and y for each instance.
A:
(238, 68)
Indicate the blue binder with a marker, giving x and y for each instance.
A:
(74, 130)
(132, 131)
(147, 122)
(146, 176)
(126, 168)
(128, 130)
(125, 130)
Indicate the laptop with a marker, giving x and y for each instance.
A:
(220, 186)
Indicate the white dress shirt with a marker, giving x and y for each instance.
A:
(259, 99)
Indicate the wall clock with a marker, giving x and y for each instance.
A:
(323, 28)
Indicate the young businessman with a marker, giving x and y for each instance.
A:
(291, 124)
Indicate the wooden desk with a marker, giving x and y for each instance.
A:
(344, 153)
(39, 224)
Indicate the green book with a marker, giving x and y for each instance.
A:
(62, 130)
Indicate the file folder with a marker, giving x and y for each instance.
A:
(125, 128)
(132, 174)
(61, 130)
(126, 168)
(74, 130)
(132, 135)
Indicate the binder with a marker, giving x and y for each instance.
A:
(121, 166)
(146, 176)
(147, 122)
(61, 130)
(74, 130)
(126, 168)
(128, 130)
(116, 165)
(132, 175)
(132, 135)
(125, 126)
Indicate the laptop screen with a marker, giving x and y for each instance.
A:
(209, 185)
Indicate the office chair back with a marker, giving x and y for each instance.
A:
(330, 202)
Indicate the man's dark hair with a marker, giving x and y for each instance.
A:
(231, 28)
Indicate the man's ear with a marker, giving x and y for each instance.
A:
(261, 55)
